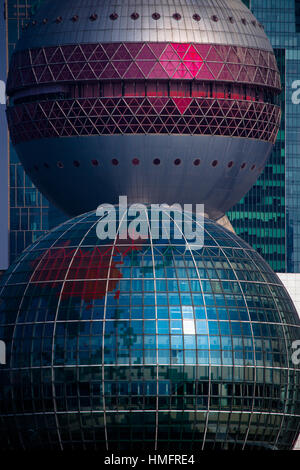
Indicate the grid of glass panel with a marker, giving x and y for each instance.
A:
(148, 342)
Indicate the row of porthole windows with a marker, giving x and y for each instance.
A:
(155, 16)
(156, 162)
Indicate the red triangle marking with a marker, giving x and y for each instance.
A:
(193, 67)
(182, 104)
(192, 54)
(182, 72)
(180, 48)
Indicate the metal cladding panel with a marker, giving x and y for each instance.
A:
(216, 43)
(151, 61)
(213, 170)
(227, 22)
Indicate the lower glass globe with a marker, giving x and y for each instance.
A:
(146, 345)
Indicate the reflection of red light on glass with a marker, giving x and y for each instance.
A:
(86, 273)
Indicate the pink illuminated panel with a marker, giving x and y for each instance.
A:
(143, 61)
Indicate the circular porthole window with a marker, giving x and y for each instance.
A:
(177, 16)
(156, 16)
(196, 17)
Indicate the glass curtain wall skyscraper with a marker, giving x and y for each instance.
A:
(260, 217)
(268, 217)
(31, 215)
(28, 208)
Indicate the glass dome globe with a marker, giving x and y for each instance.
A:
(146, 345)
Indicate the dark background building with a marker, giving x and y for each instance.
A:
(30, 212)
(3, 154)
(268, 217)
(28, 208)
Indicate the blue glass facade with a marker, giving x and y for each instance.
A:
(281, 21)
(260, 217)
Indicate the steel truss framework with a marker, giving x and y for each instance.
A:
(102, 116)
